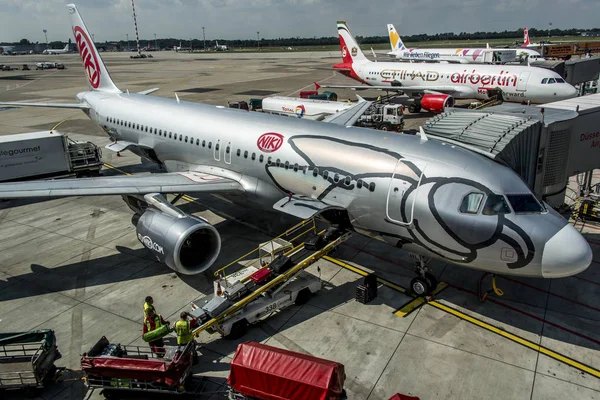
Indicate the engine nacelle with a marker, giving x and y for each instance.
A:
(187, 245)
(436, 102)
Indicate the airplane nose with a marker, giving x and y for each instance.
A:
(566, 253)
(570, 92)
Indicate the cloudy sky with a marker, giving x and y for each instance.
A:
(231, 19)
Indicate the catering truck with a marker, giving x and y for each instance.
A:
(46, 154)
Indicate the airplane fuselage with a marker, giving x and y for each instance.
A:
(518, 83)
(395, 188)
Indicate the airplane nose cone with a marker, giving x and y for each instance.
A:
(566, 253)
(570, 92)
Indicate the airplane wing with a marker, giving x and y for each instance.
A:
(349, 116)
(53, 105)
(302, 206)
(446, 89)
(173, 182)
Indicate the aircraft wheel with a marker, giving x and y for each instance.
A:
(431, 280)
(238, 330)
(420, 286)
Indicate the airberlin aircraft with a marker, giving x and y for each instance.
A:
(429, 198)
(438, 85)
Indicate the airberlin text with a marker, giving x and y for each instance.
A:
(504, 78)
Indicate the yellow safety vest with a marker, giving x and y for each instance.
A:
(184, 333)
(157, 323)
(146, 308)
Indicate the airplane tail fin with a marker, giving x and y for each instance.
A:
(66, 47)
(351, 51)
(395, 39)
(526, 41)
(97, 74)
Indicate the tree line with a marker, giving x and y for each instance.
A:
(169, 43)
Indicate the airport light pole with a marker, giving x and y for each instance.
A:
(204, 38)
(257, 40)
(549, 29)
(46, 36)
(155, 43)
(127, 41)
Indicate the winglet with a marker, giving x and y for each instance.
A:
(360, 98)
(177, 97)
(422, 134)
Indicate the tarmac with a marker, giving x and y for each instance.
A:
(74, 265)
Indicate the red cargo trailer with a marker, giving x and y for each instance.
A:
(269, 373)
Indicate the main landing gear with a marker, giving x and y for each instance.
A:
(425, 282)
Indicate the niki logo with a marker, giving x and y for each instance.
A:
(146, 241)
(269, 142)
(300, 111)
(344, 52)
(88, 56)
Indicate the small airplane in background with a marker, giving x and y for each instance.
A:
(57, 51)
(220, 47)
(526, 41)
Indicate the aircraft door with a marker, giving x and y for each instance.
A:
(523, 78)
(403, 190)
(217, 150)
(227, 154)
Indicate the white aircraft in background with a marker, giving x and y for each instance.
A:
(436, 84)
(57, 51)
(526, 41)
(406, 190)
(485, 55)
(221, 47)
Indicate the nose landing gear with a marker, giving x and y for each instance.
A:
(425, 282)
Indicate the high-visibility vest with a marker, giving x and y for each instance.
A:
(184, 333)
(157, 323)
(146, 308)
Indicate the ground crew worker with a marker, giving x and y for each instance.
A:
(183, 328)
(151, 322)
(149, 304)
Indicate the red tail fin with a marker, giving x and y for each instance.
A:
(317, 86)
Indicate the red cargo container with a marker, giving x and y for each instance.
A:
(269, 373)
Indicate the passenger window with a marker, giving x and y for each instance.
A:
(217, 147)
(316, 172)
(269, 162)
(296, 167)
(155, 131)
(261, 158)
(372, 187)
(325, 174)
(246, 154)
(186, 139)
(180, 137)
(545, 80)
(138, 127)
(129, 125)
(495, 204)
(227, 149)
(278, 162)
(287, 164)
(239, 152)
(470, 203)
(524, 203)
(204, 143)
(197, 142)
(170, 134)
(209, 145)
(160, 132)
(253, 156)
(347, 181)
(359, 184)
(336, 178)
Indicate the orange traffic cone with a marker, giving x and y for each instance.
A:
(219, 290)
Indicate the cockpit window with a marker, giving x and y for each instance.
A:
(551, 80)
(470, 203)
(495, 204)
(560, 80)
(524, 203)
(545, 80)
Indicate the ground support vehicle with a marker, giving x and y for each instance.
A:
(259, 371)
(267, 284)
(385, 117)
(46, 154)
(115, 368)
(27, 359)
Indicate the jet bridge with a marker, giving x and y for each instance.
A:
(544, 144)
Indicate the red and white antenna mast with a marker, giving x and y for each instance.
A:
(137, 36)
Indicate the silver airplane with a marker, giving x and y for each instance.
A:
(428, 197)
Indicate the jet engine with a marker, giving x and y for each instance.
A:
(185, 243)
(436, 102)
